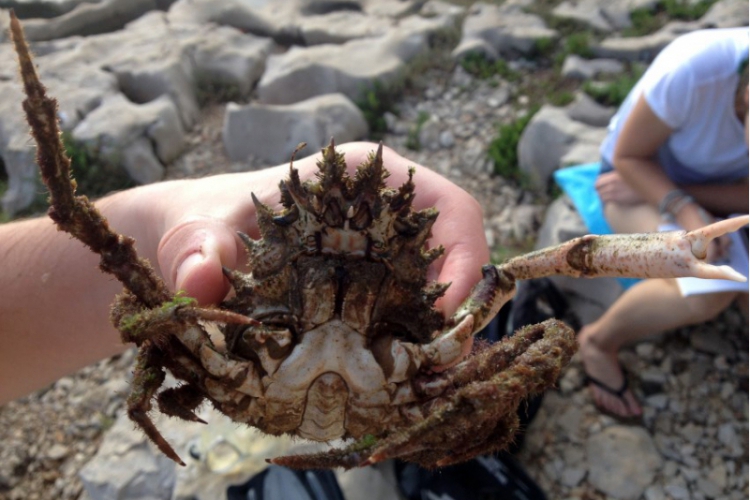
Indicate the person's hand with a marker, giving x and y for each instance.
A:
(612, 188)
(196, 228)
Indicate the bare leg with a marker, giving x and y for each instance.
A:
(639, 313)
(626, 219)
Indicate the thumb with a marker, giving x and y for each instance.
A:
(191, 256)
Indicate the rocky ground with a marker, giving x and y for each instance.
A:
(692, 443)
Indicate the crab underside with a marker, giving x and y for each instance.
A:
(333, 333)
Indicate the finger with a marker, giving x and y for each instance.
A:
(191, 256)
(464, 257)
(606, 179)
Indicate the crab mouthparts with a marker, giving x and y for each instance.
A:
(335, 241)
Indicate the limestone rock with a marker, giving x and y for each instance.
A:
(388, 8)
(79, 88)
(726, 14)
(506, 30)
(586, 110)
(88, 19)
(20, 164)
(271, 132)
(234, 13)
(148, 63)
(126, 468)
(300, 22)
(552, 127)
(434, 8)
(350, 68)
(225, 56)
(601, 16)
(124, 131)
(147, 60)
(584, 69)
(26, 9)
(588, 12)
(612, 468)
(643, 48)
(342, 26)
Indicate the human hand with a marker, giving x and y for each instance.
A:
(612, 188)
(198, 221)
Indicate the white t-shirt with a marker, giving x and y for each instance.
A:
(691, 87)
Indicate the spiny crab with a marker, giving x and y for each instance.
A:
(333, 333)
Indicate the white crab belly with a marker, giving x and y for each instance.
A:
(329, 387)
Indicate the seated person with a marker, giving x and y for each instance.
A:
(676, 151)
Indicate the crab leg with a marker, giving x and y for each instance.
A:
(76, 214)
(657, 255)
(673, 254)
(147, 378)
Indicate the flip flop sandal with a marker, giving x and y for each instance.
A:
(618, 393)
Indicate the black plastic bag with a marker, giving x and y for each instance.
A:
(281, 483)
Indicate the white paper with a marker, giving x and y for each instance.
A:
(737, 259)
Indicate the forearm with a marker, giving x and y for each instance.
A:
(54, 305)
(721, 199)
(647, 177)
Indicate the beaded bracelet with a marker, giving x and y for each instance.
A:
(673, 202)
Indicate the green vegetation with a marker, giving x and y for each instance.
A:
(479, 66)
(412, 140)
(686, 10)
(561, 98)
(381, 97)
(644, 21)
(375, 102)
(647, 21)
(95, 175)
(578, 43)
(212, 90)
(613, 93)
(503, 150)
(544, 47)
(3, 187)
(105, 421)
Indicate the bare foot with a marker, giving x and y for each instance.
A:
(601, 365)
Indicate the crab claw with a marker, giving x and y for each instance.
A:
(699, 241)
(673, 254)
